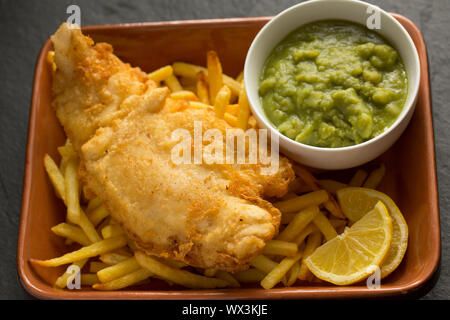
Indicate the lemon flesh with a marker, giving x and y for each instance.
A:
(357, 252)
(356, 202)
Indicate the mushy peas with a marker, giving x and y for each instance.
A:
(333, 84)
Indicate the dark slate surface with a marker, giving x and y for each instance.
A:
(25, 25)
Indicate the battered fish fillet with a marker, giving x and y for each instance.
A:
(208, 216)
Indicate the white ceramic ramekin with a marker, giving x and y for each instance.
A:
(351, 10)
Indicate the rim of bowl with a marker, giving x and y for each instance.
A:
(406, 108)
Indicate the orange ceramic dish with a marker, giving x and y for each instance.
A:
(410, 179)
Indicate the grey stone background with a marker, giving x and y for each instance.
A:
(25, 25)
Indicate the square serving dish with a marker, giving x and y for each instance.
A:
(410, 179)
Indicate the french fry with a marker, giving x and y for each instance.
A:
(312, 243)
(375, 177)
(300, 221)
(113, 258)
(249, 276)
(187, 70)
(112, 231)
(103, 224)
(277, 273)
(200, 105)
(240, 76)
(230, 119)
(331, 186)
(303, 201)
(210, 272)
(202, 88)
(289, 195)
(67, 151)
(244, 109)
(124, 251)
(252, 123)
(161, 74)
(332, 206)
(222, 100)
(93, 204)
(88, 279)
(97, 215)
(310, 228)
(281, 248)
(178, 276)
(173, 84)
(118, 270)
(72, 191)
(63, 162)
(324, 225)
(306, 177)
(184, 95)
(293, 274)
(71, 232)
(187, 82)
(92, 250)
(215, 78)
(172, 263)
(88, 228)
(62, 167)
(190, 71)
(287, 217)
(298, 186)
(61, 282)
(124, 281)
(228, 278)
(56, 177)
(232, 109)
(74, 212)
(263, 263)
(96, 266)
(358, 178)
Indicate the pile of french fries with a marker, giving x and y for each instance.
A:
(111, 261)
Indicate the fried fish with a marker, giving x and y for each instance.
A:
(206, 215)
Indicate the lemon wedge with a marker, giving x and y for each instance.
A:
(357, 252)
(356, 202)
